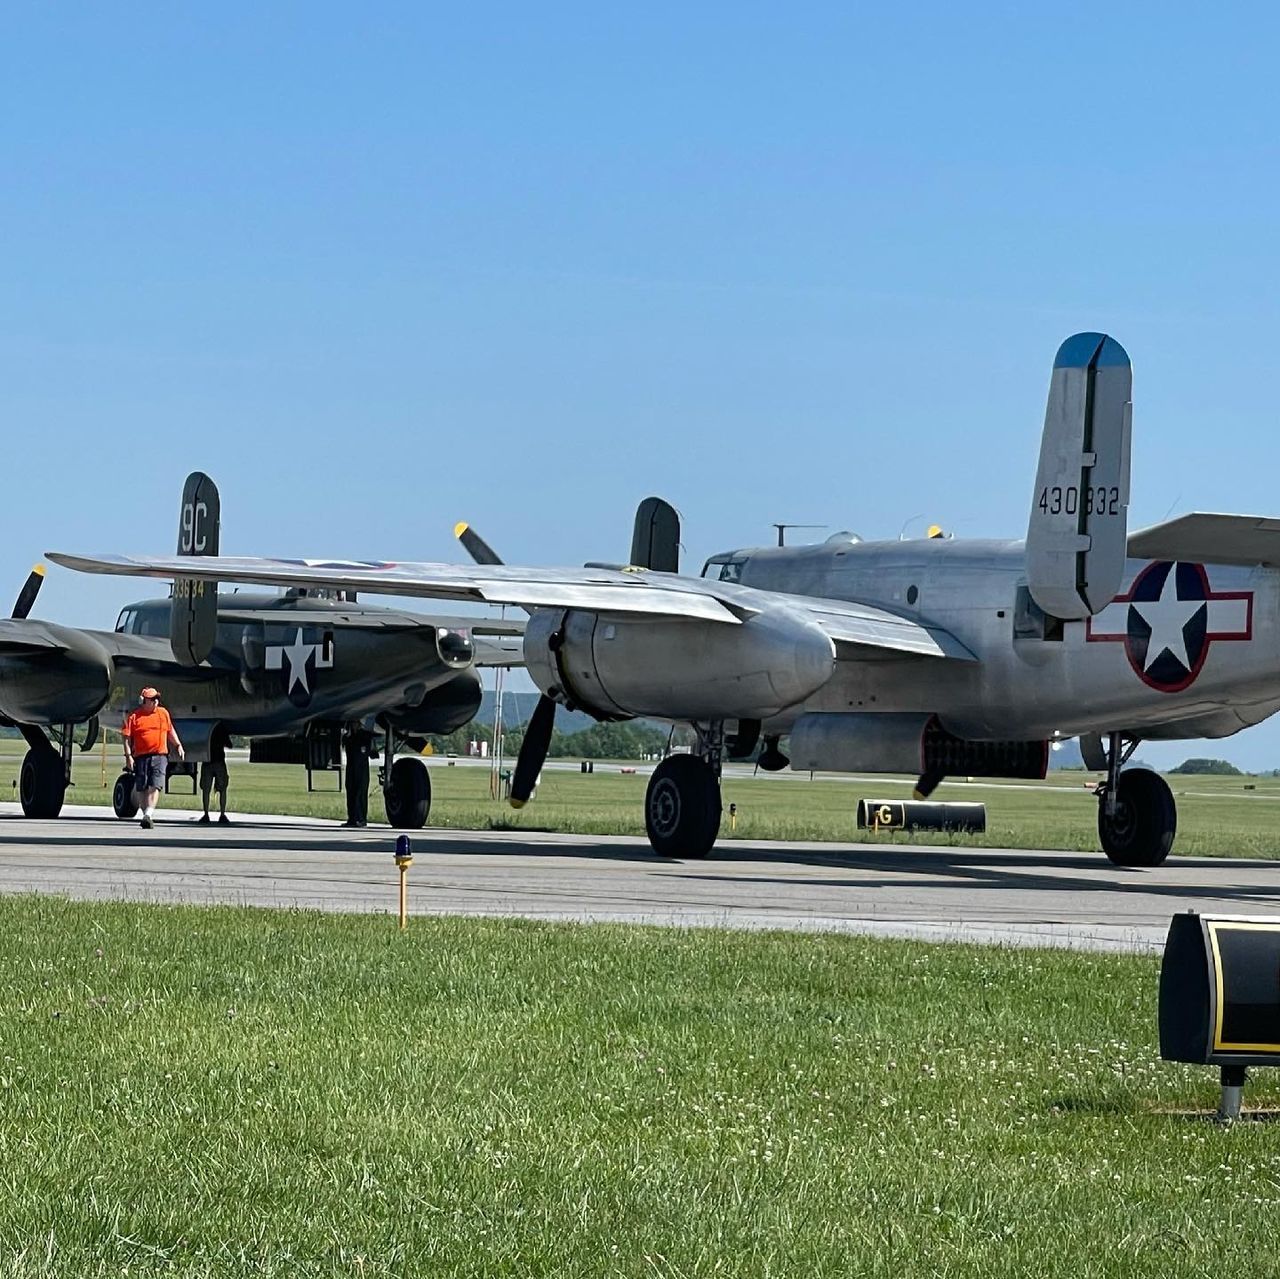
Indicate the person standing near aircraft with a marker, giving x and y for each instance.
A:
(147, 733)
(359, 743)
(213, 775)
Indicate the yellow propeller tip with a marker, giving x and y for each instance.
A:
(517, 803)
(460, 528)
(38, 568)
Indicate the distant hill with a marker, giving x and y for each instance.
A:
(518, 707)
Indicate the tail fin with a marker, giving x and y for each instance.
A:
(193, 611)
(1077, 533)
(655, 540)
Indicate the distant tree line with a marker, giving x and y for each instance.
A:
(1208, 767)
(631, 739)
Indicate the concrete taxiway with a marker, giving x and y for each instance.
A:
(1013, 897)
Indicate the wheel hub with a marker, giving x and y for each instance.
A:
(664, 807)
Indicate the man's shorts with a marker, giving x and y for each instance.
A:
(149, 771)
(213, 777)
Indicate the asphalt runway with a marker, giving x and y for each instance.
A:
(1011, 897)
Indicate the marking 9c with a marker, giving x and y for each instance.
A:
(193, 539)
(1056, 500)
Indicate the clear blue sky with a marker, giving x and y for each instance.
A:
(378, 270)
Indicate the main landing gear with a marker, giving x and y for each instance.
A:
(406, 787)
(1137, 816)
(46, 771)
(682, 804)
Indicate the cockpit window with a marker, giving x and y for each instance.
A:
(124, 623)
(153, 622)
(724, 568)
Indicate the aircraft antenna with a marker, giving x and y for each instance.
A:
(782, 530)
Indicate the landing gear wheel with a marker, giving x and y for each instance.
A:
(682, 807)
(122, 797)
(43, 783)
(408, 795)
(1141, 831)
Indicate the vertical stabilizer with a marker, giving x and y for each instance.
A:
(655, 541)
(1077, 533)
(193, 616)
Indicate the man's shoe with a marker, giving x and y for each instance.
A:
(203, 819)
(147, 823)
(224, 820)
(357, 824)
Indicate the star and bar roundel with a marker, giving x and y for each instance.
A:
(1169, 620)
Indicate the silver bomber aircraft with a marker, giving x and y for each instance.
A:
(938, 656)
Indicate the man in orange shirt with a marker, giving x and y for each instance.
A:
(147, 732)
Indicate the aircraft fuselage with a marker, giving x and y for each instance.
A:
(1195, 656)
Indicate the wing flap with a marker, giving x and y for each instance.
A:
(1219, 539)
(860, 631)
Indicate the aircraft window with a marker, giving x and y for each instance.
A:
(155, 624)
(731, 571)
(124, 623)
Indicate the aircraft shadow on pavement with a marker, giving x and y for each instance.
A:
(967, 869)
(176, 836)
(897, 867)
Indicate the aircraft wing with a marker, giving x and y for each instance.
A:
(856, 629)
(600, 590)
(1219, 539)
(21, 637)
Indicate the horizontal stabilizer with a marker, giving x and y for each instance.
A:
(1215, 539)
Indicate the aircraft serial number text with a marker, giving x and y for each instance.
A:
(1066, 501)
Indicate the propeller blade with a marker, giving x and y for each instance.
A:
(533, 751)
(30, 589)
(475, 545)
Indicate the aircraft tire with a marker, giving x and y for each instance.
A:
(43, 784)
(1145, 822)
(122, 798)
(682, 807)
(408, 795)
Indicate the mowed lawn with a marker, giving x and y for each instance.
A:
(194, 1091)
(1217, 816)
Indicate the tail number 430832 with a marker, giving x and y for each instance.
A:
(1057, 500)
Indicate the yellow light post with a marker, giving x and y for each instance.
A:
(404, 859)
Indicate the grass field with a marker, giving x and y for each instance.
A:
(190, 1091)
(1217, 816)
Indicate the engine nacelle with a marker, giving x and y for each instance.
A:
(60, 686)
(621, 666)
(441, 709)
(898, 742)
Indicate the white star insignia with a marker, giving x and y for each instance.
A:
(1167, 617)
(297, 653)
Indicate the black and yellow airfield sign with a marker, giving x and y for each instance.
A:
(1220, 990)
